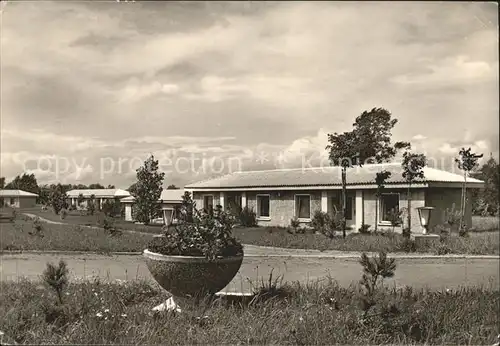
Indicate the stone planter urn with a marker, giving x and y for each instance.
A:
(190, 277)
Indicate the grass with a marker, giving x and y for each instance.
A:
(320, 313)
(75, 218)
(485, 243)
(22, 235)
(485, 223)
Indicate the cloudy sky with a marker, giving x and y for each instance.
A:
(89, 89)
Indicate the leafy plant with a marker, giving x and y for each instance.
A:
(395, 217)
(466, 161)
(199, 234)
(56, 278)
(63, 214)
(364, 229)
(295, 224)
(58, 198)
(375, 270)
(247, 217)
(148, 190)
(413, 169)
(452, 217)
(91, 205)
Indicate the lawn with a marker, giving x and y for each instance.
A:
(75, 218)
(485, 243)
(22, 235)
(320, 313)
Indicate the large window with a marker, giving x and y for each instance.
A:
(389, 204)
(349, 206)
(303, 206)
(208, 203)
(263, 206)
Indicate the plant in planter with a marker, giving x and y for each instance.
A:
(197, 257)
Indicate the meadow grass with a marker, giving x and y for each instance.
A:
(318, 313)
(485, 243)
(22, 235)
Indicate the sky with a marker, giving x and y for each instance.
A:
(91, 89)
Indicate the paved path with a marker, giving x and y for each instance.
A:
(432, 273)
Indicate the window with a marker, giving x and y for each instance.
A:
(12, 201)
(303, 206)
(234, 202)
(350, 206)
(208, 203)
(263, 206)
(389, 202)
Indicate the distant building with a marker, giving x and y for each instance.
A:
(169, 200)
(17, 198)
(100, 195)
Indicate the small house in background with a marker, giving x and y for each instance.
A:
(279, 195)
(169, 200)
(17, 199)
(100, 195)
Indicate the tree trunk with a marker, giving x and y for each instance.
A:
(376, 212)
(463, 201)
(344, 193)
(409, 209)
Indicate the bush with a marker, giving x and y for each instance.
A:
(247, 217)
(295, 224)
(326, 224)
(408, 245)
(202, 234)
(452, 217)
(63, 214)
(364, 229)
(56, 278)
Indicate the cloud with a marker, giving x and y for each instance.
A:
(135, 91)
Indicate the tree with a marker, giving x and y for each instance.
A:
(412, 165)
(148, 190)
(373, 129)
(380, 179)
(172, 187)
(467, 161)
(370, 141)
(91, 204)
(96, 186)
(58, 198)
(110, 187)
(80, 199)
(26, 182)
(133, 189)
(486, 199)
(2, 182)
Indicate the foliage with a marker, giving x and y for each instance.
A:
(199, 234)
(370, 141)
(247, 217)
(37, 228)
(325, 224)
(2, 182)
(364, 229)
(80, 199)
(91, 205)
(26, 182)
(112, 208)
(63, 214)
(395, 217)
(57, 278)
(485, 201)
(413, 168)
(452, 217)
(58, 199)
(375, 270)
(172, 187)
(467, 161)
(380, 179)
(294, 224)
(148, 190)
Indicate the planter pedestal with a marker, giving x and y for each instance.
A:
(425, 240)
(172, 304)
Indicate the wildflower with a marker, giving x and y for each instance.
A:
(124, 315)
(99, 314)
(95, 294)
(106, 310)
(301, 319)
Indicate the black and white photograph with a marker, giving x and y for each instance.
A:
(249, 173)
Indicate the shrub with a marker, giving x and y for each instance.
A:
(203, 234)
(63, 214)
(295, 224)
(408, 245)
(247, 217)
(56, 278)
(443, 249)
(364, 229)
(452, 217)
(326, 224)
(37, 228)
